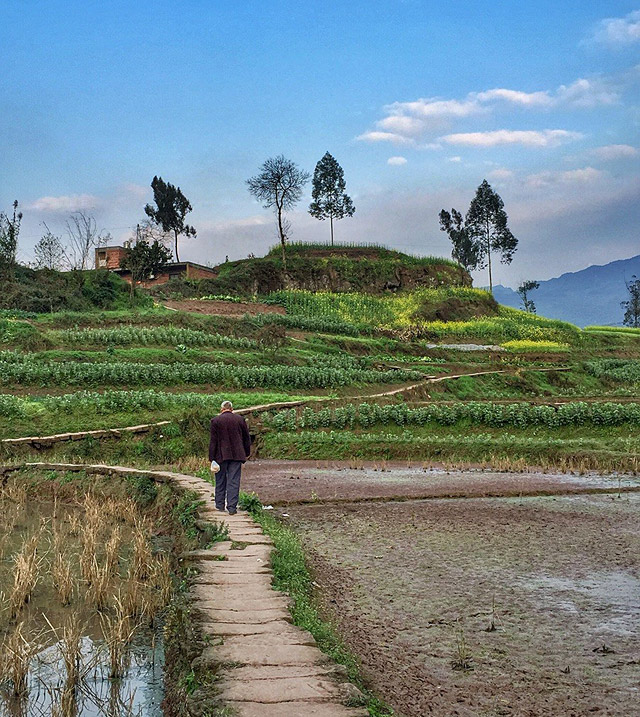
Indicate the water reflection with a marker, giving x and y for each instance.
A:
(50, 693)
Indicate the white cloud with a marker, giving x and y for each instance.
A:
(454, 159)
(619, 30)
(410, 122)
(528, 138)
(584, 175)
(65, 203)
(435, 109)
(587, 93)
(384, 137)
(138, 191)
(402, 125)
(616, 151)
(500, 174)
(397, 161)
(525, 99)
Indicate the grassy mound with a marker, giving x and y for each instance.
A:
(319, 267)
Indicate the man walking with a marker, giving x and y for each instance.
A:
(229, 446)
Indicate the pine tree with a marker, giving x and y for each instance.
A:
(330, 200)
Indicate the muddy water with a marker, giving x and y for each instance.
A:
(139, 692)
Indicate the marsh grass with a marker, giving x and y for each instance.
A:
(18, 650)
(26, 565)
(117, 631)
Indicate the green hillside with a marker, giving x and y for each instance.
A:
(320, 267)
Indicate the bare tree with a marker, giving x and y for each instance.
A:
(49, 251)
(83, 239)
(9, 231)
(149, 231)
(279, 186)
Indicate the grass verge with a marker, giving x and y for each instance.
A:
(291, 575)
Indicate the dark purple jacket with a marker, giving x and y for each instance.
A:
(230, 439)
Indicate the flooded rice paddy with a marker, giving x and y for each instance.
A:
(82, 587)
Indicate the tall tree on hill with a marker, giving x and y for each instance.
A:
(484, 231)
(49, 252)
(523, 291)
(279, 187)
(632, 305)
(330, 200)
(465, 250)
(486, 222)
(9, 232)
(170, 211)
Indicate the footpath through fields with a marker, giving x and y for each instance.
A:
(267, 666)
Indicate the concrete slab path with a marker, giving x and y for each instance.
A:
(268, 667)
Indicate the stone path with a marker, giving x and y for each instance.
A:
(268, 666)
(278, 670)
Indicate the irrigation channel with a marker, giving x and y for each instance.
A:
(265, 666)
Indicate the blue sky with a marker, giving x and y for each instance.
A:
(419, 101)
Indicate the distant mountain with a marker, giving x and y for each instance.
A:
(590, 296)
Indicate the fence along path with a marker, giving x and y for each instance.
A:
(277, 669)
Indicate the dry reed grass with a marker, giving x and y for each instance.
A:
(117, 631)
(17, 652)
(26, 574)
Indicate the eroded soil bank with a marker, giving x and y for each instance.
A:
(539, 596)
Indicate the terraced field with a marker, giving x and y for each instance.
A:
(361, 409)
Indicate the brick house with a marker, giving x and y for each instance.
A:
(109, 257)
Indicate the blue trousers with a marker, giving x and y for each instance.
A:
(228, 485)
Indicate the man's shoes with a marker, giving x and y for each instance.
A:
(232, 512)
(220, 509)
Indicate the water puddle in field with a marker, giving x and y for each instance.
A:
(611, 600)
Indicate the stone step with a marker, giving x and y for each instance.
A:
(271, 672)
(224, 549)
(237, 595)
(225, 568)
(265, 655)
(221, 578)
(288, 689)
(267, 603)
(250, 538)
(248, 617)
(274, 627)
(296, 709)
(288, 636)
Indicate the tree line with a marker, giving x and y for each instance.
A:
(477, 238)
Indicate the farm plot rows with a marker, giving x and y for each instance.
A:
(519, 415)
(19, 370)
